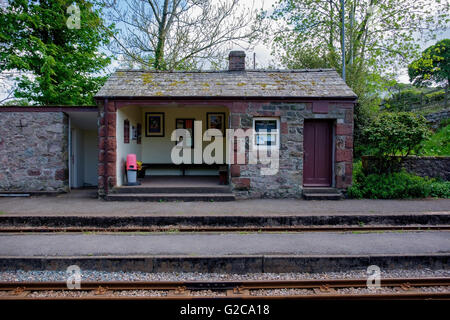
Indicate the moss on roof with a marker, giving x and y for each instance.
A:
(251, 83)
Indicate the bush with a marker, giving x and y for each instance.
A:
(398, 185)
(395, 134)
(392, 134)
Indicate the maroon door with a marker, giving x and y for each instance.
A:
(317, 153)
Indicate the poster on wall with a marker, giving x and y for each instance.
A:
(133, 133)
(126, 131)
(154, 124)
(139, 133)
(187, 124)
(216, 121)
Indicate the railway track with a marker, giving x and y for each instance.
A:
(227, 229)
(399, 288)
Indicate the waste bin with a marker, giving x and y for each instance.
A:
(132, 170)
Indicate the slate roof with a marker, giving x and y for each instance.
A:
(318, 83)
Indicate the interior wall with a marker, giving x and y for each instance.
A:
(158, 149)
(85, 158)
(90, 147)
(133, 114)
(77, 158)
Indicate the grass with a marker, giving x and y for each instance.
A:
(439, 143)
(2, 212)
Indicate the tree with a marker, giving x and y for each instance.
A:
(433, 66)
(179, 34)
(380, 36)
(58, 64)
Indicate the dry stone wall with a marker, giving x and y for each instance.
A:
(33, 151)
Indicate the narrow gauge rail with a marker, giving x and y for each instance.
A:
(406, 288)
(227, 229)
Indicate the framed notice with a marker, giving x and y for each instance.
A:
(126, 131)
(138, 133)
(154, 124)
(187, 124)
(216, 120)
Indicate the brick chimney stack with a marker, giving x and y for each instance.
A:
(236, 61)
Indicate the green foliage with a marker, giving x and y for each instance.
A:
(433, 66)
(435, 96)
(59, 65)
(358, 173)
(398, 185)
(380, 37)
(413, 98)
(438, 144)
(444, 123)
(393, 134)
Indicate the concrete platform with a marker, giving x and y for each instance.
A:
(217, 252)
(150, 221)
(84, 203)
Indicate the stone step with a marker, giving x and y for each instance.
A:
(322, 196)
(156, 197)
(171, 190)
(320, 190)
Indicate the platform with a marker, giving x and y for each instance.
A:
(220, 252)
(85, 203)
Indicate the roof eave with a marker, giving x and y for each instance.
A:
(347, 98)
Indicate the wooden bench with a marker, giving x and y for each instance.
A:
(183, 166)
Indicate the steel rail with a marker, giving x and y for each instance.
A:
(226, 229)
(221, 285)
(322, 289)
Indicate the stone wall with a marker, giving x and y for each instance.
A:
(433, 167)
(435, 118)
(107, 147)
(33, 151)
(246, 179)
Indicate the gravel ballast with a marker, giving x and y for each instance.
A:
(91, 275)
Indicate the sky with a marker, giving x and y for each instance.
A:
(263, 52)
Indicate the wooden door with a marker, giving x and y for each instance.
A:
(317, 156)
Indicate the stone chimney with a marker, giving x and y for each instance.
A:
(236, 61)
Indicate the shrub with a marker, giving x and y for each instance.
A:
(398, 185)
(358, 174)
(395, 134)
(399, 133)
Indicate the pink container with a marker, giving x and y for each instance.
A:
(131, 162)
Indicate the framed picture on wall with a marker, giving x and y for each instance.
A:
(133, 133)
(139, 133)
(216, 120)
(187, 124)
(126, 131)
(154, 124)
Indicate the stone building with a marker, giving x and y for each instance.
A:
(305, 117)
